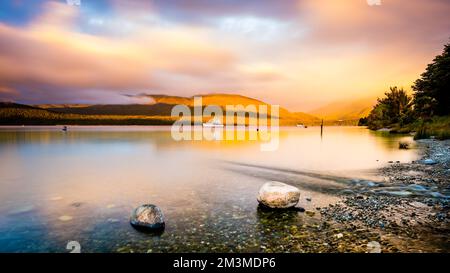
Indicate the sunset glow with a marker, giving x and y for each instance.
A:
(299, 54)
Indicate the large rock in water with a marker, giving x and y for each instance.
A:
(278, 195)
(147, 218)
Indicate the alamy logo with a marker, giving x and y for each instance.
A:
(374, 2)
(74, 246)
(248, 122)
(73, 2)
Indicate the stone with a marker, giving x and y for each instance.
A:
(147, 218)
(77, 204)
(373, 247)
(403, 145)
(429, 161)
(278, 195)
(310, 213)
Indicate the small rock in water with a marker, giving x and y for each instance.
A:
(373, 247)
(147, 218)
(429, 162)
(403, 145)
(76, 204)
(308, 199)
(278, 195)
(65, 218)
(310, 213)
(339, 235)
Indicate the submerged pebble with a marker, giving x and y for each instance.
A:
(429, 161)
(310, 213)
(76, 204)
(148, 218)
(373, 247)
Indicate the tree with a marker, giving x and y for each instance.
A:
(432, 89)
(395, 107)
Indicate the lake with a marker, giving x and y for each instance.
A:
(81, 185)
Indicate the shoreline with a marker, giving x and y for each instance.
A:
(410, 209)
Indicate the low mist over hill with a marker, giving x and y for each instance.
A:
(345, 110)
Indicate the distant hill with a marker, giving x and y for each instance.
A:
(19, 114)
(162, 106)
(157, 109)
(345, 110)
(47, 106)
(158, 112)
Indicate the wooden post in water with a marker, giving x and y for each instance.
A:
(321, 129)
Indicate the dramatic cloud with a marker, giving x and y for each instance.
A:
(51, 54)
(295, 53)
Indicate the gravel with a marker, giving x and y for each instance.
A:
(420, 215)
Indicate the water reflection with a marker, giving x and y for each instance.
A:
(83, 184)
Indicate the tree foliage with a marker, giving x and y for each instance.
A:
(395, 107)
(431, 97)
(432, 89)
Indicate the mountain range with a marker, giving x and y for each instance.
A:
(158, 111)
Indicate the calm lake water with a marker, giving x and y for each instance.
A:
(82, 185)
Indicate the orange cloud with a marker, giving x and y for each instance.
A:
(50, 52)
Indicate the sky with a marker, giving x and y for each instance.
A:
(300, 54)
